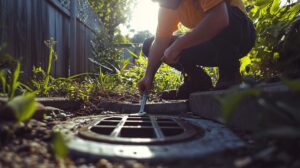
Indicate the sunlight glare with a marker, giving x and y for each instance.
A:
(144, 16)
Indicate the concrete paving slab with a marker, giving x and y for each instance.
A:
(249, 113)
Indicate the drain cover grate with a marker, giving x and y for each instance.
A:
(153, 137)
(139, 130)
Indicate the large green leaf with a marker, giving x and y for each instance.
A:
(23, 107)
(59, 146)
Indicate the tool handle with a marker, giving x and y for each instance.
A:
(143, 102)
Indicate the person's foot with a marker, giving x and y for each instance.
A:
(226, 81)
(195, 81)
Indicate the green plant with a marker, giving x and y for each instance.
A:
(273, 22)
(14, 83)
(3, 80)
(9, 82)
(166, 77)
(213, 72)
(126, 75)
(106, 54)
(42, 79)
(22, 106)
(50, 44)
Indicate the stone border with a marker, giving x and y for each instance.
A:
(167, 108)
(57, 102)
(248, 115)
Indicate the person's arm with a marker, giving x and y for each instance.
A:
(213, 22)
(167, 24)
(160, 44)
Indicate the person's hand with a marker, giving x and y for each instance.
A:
(171, 55)
(145, 84)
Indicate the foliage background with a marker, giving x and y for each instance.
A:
(274, 21)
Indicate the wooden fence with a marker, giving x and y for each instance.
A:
(26, 24)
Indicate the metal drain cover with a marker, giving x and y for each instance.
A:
(150, 137)
(139, 130)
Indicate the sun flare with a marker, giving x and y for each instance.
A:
(144, 16)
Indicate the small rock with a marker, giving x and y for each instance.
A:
(62, 116)
(48, 118)
(103, 163)
(134, 164)
(40, 112)
(243, 162)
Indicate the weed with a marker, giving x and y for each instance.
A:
(42, 79)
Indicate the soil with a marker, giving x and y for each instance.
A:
(30, 145)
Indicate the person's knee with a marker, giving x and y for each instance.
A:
(146, 46)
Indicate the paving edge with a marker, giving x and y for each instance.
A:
(167, 108)
(248, 115)
(57, 102)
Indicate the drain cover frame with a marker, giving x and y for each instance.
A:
(147, 129)
(216, 138)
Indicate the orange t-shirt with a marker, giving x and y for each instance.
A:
(188, 13)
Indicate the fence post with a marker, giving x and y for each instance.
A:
(73, 54)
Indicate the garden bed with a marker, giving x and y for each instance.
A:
(31, 145)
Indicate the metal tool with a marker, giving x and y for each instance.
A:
(143, 104)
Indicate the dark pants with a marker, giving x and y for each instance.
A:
(223, 51)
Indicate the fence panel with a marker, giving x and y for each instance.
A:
(26, 24)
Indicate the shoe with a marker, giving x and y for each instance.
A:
(194, 81)
(227, 80)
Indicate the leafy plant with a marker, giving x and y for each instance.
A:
(50, 44)
(14, 82)
(3, 80)
(41, 79)
(273, 22)
(112, 13)
(166, 77)
(22, 106)
(106, 54)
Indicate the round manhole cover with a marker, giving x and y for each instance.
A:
(145, 129)
(150, 137)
